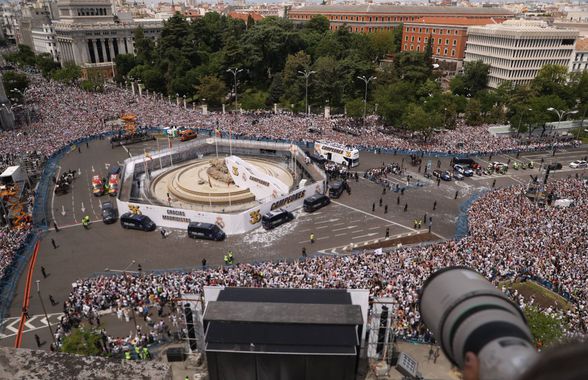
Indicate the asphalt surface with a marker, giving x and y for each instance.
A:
(348, 220)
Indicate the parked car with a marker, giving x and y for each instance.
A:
(446, 176)
(109, 213)
(137, 222)
(554, 166)
(578, 164)
(465, 162)
(464, 170)
(457, 175)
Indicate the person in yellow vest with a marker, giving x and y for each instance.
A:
(226, 259)
(127, 355)
(146, 354)
(231, 258)
(312, 238)
(138, 352)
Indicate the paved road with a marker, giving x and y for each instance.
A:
(348, 220)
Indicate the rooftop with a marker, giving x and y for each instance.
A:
(398, 9)
(454, 21)
(582, 45)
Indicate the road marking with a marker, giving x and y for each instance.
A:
(338, 224)
(127, 150)
(344, 228)
(83, 208)
(9, 324)
(374, 228)
(374, 216)
(77, 224)
(93, 171)
(79, 172)
(327, 221)
(340, 235)
(366, 235)
(318, 228)
(62, 211)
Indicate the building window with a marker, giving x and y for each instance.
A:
(454, 42)
(445, 51)
(419, 39)
(438, 50)
(411, 47)
(456, 32)
(439, 42)
(453, 52)
(447, 42)
(406, 38)
(405, 46)
(412, 39)
(426, 39)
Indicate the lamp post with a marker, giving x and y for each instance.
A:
(184, 96)
(45, 312)
(306, 74)
(521, 120)
(177, 99)
(367, 81)
(561, 113)
(234, 71)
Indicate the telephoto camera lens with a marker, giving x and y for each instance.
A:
(466, 313)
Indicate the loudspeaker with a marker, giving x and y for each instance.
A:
(176, 354)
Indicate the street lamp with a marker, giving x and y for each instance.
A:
(521, 120)
(367, 81)
(306, 74)
(45, 312)
(561, 114)
(184, 96)
(234, 71)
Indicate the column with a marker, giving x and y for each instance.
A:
(108, 48)
(103, 50)
(121, 46)
(94, 42)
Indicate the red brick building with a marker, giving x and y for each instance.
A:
(365, 18)
(448, 34)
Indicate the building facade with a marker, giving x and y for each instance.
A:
(448, 36)
(44, 41)
(579, 61)
(10, 16)
(90, 36)
(367, 18)
(517, 49)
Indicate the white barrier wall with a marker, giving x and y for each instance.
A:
(231, 224)
(247, 176)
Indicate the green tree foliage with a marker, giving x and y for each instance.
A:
(276, 89)
(552, 80)
(68, 74)
(354, 107)
(46, 64)
(83, 342)
(318, 23)
(473, 112)
(124, 64)
(473, 80)
(253, 100)
(544, 328)
(412, 67)
(24, 56)
(15, 84)
(212, 89)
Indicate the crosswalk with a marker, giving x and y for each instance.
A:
(9, 326)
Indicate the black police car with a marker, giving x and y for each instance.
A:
(109, 213)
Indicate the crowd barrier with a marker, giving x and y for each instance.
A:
(462, 227)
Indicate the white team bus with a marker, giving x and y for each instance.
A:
(338, 153)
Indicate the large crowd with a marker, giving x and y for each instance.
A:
(510, 237)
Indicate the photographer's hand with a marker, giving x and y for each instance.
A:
(471, 369)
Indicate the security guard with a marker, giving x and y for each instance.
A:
(127, 355)
(231, 258)
(86, 221)
(226, 259)
(138, 352)
(146, 353)
(312, 238)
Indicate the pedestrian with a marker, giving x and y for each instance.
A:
(87, 146)
(25, 313)
(53, 243)
(430, 224)
(438, 164)
(374, 207)
(419, 224)
(405, 207)
(398, 200)
(402, 191)
(387, 232)
(414, 223)
(436, 356)
(43, 272)
(204, 263)
(381, 202)
(425, 218)
(431, 353)
(384, 191)
(303, 251)
(438, 182)
(52, 300)
(231, 258)
(38, 340)
(385, 209)
(456, 194)
(312, 237)
(163, 234)
(79, 149)
(493, 183)
(55, 227)
(434, 205)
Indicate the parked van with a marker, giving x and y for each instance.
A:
(276, 218)
(137, 222)
(208, 231)
(315, 202)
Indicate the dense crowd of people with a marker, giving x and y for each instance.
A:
(510, 237)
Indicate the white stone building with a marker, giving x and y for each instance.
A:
(91, 36)
(44, 41)
(517, 49)
(579, 60)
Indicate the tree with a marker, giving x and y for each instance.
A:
(15, 84)
(83, 342)
(472, 112)
(46, 64)
(253, 100)
(144, 47)
(429, 50)
(318, 23)
(276, 89)
(24, 56)
(68, 74)
(544, 328)
(412, 67)
(551, 80)
(124, 64)
(476, 76)
(294, 87)
(419, 121)
(213, 89)
(354, 107)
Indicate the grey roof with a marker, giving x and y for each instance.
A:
(291, 313)
(399, 9)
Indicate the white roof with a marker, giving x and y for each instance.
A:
(9, 171)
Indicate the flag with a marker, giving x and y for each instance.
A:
(217, 132)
